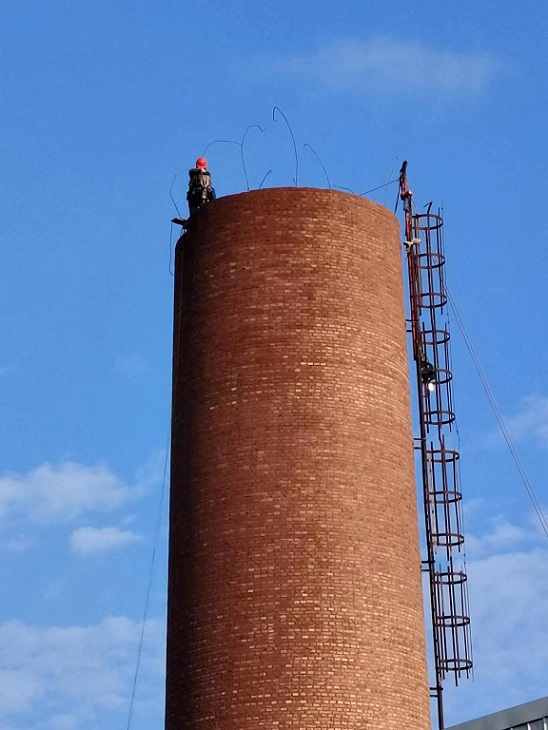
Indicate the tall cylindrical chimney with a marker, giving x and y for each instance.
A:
(294, 578)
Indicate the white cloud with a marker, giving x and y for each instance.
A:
(508, 586)
(531, 421)
(61, 492)
(18, 689)
(94, 540)
(501, 537)
(75, 676)
(397, 66)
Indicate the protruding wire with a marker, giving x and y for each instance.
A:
(321, 163)
(172, 198)
(170, 249)
(264, 178)
(220, 141)
(341, 187)
(384, 185)
(242, 144)
(277, 108)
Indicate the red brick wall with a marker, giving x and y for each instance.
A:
(294, 584)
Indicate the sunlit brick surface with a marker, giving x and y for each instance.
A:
(294, 585)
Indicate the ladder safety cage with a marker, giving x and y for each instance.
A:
(442, 498)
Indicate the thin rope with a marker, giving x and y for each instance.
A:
(500, 419)
(391, 173)
(150, 581)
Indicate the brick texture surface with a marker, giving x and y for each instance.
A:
(294, 580)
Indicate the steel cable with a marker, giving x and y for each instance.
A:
(500, 419)
(149, 585)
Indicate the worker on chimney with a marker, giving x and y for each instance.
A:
(428, 373)
(406, 196)
(200, 191)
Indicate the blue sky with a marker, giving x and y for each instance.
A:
(102, 104)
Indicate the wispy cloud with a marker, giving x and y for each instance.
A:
(18, 690)
(397, 66)
(76, 676)
(95, 540)
(17, 544)
(502, 536)
(133, 365)
(60, 492)
(153, 471)
(531, 421)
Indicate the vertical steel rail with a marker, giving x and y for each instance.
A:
(415, 300)
(426, 467)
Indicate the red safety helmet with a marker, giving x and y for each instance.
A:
(201, 163)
